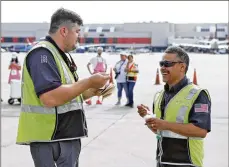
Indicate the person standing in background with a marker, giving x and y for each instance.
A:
(120, 76)
(14, 68)
(132, 72)
(99, 65)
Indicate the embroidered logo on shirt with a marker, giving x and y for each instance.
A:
(44, 59)
(201, 108)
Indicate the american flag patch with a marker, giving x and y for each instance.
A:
(201, 107)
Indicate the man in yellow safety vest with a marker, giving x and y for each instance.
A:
(52, 119)
(183, 114)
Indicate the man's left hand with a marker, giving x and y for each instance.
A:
(155, 123)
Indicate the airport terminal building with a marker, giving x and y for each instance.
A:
(151, 34)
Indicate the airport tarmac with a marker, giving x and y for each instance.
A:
(117, 135)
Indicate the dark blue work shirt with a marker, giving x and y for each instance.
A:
(199, 119)
(43, 69)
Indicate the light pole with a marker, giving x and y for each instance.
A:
(216, 31)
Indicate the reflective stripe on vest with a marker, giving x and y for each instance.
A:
(170, 134)
(132, 74)
(74, 105)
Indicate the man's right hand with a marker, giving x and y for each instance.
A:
(98, 80)
(142, 110)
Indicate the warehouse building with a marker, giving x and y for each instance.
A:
(152, 35)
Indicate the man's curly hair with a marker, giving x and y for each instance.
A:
(64, 17)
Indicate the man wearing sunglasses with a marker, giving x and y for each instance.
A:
(183, 114)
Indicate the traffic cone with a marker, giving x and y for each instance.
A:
(157, 82)
(111, 76)
(194, 78)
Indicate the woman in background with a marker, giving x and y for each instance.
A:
(132, 72)
(14, 68)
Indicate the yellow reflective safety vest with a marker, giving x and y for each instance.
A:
(38, 123)
(175, 149)
(132, 76)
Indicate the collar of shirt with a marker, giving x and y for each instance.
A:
(49, 39)
(64, 56)
(176, 88)
(68, 61)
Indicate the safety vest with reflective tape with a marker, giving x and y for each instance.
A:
(173, 148)
(132, 76)
(37, 123)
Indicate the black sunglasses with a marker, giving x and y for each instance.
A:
(168, 63)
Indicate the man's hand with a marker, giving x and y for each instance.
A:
(98, 80)
(13, 64)
(142, 110)
(157, 124)
(89, 93)
(153, 129)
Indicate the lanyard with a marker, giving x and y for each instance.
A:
(121, 65)
(72, 66)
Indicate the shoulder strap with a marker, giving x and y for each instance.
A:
(131, 66)
(121, 65)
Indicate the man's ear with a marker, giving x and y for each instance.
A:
(64, 31)
(183, 66)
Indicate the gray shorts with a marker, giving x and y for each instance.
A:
(56, 154)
